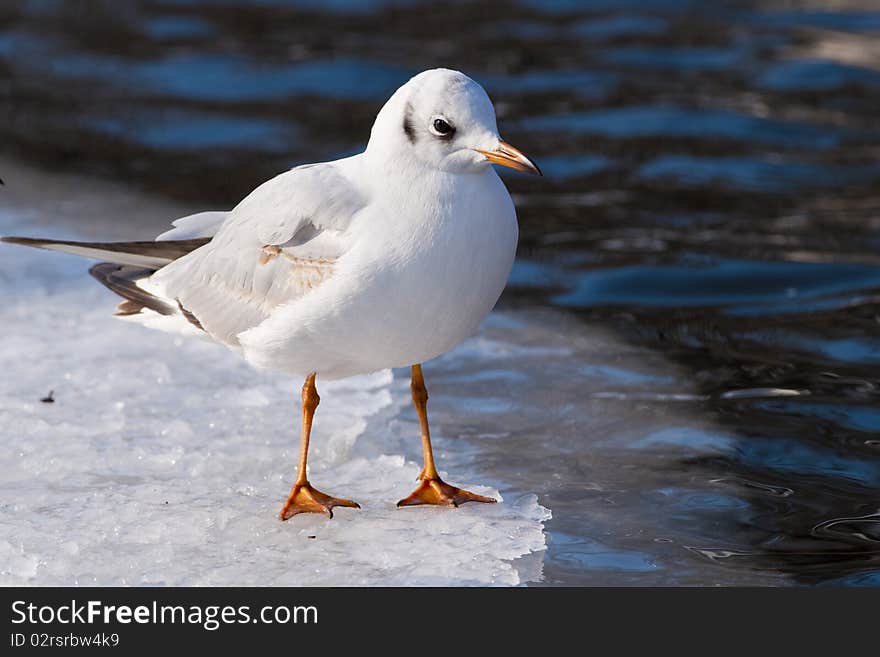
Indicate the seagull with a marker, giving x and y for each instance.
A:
(385, 259)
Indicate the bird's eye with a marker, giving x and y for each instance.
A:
(441, 128)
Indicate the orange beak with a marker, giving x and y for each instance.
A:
(508, 156)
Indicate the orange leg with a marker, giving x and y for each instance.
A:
(432, 489)
(303, 498)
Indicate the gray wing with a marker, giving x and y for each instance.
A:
(280, 242)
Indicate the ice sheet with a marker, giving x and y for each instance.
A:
(164, 461)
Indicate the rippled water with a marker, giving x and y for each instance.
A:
(692, 332)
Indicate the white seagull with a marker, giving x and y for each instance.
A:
(385, 259)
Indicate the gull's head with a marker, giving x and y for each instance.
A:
(444, 120)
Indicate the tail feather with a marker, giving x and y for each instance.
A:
(149, 255)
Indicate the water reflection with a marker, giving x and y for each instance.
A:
(670, 122)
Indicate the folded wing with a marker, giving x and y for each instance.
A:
(279, 243)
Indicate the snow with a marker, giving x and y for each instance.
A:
(164, 461)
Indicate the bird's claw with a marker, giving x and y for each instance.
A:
(305, 499)
(438, 492)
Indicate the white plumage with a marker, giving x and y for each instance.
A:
(384, 259)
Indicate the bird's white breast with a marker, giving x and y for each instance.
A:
(428, 261)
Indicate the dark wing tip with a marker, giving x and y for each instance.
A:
(27, 241)
(122, 279)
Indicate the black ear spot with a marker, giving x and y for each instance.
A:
(408, 124)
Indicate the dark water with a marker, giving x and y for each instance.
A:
(710, 203)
